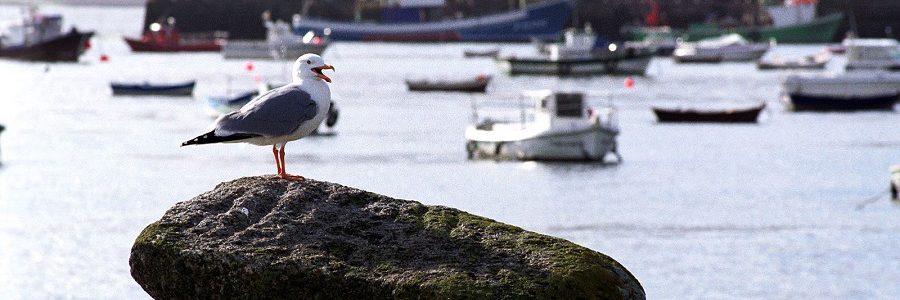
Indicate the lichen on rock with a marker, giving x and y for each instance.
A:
(266, 238)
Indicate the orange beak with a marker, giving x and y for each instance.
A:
(319, 74)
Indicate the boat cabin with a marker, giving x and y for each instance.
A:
(872, 53)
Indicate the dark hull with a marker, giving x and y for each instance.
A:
(800, 102)
(724, 116)
(623, 64)
(155, 90)
(473, 86)
(67, 47)
(762, 65)
(142, 46)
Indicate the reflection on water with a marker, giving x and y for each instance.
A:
(693, 211)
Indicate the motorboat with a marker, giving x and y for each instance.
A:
(478, 84)
(878, 90)
(167, 38)
(814, 61)
(558, 126)
(872, 54)
(731, 47)
(153, 89)
(690, 115)
(38, 37)
(280, 43)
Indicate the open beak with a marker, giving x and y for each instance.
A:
(319, 74)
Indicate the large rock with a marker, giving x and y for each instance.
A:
(263, 237)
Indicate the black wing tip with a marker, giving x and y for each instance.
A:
(211, 138)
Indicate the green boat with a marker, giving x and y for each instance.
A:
(819, 30)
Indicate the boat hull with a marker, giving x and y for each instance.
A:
(124, 89)
(714, 55)
(142, 46)
(66, 48)
(542, 21)
(725, 116)
(804, 102)
(634, 65)
(471, 86)
(264, 50)
(587, 145)
(819, 30)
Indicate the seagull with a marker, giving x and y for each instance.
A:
(278, 116)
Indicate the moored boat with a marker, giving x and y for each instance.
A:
(474, 85)
(730, 115)
(493, 52)
(819, 30)
(815, 61)
(542, 20)
(560, 127)
(280, 43)
(730, 47)
(41, 38)
(870, 54)
(225, 104)
(627, 61)
(845, 92)
(166, 38)
(148, 89)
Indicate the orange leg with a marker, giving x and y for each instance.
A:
(283, 172)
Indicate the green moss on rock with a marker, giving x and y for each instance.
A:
(317, 240)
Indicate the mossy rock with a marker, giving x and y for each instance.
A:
(267, 238)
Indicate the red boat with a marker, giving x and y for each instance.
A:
(168, 39)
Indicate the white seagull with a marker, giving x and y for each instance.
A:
(279, 116)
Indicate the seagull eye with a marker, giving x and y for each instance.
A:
(308, 62)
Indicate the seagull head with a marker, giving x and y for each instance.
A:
(310, 66)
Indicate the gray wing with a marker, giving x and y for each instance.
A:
(276, 113)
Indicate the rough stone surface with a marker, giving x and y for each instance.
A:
(266, 238)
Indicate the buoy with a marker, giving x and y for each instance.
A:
(249, 66)
(104, 58)
(629, 83)
(482, 77)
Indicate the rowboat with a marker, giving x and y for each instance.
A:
(474, 85)
(730, 115)
(148, 89)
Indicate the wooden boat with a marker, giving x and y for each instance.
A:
(167, 39)
(40, 38)
(626, 62)
(745, 115)
(476, 85)
(817, 61)
(542, 20)
(563, 128)
(140, 89)
(481, 53)
(877, 90)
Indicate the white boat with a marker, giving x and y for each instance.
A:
(872, 54)
(878, 90)
(730, 47)
(814, 61)
(280, 43)
(558, 127)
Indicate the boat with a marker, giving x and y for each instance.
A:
(493, 52)
(895, 182)
(731, 47)
(37, 37)
(542, 20)
(850, 91)
(816, 31)
(871, 54)
(225, 104)
(730, 115)
(628, 61)
(473, 85)
(559, 127)
(166, 38)
(280, 43)
(148, 89)
(815, 61)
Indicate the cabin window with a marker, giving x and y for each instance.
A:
(569, 105)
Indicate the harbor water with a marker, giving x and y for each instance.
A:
(775, 210)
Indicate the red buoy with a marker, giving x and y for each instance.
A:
(104, 58)
(249, 66)
(629, 83)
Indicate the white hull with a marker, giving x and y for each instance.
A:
(588, 144)
(854, 84)
(730, 53)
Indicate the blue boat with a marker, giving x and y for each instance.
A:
(224, 105)
(541, 21)
(802, 102)
(142, 89)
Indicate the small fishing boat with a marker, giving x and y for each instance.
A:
(844, 92)
(730, 115)
(148, 89)
(280, 43)
(816, 61)
(166, 38)
(39, 37)
(559, 126)
(619, 61)
(872, 54)
(474, 85)
(493, 52)
(730, 47)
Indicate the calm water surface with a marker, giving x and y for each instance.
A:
(695, 211)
